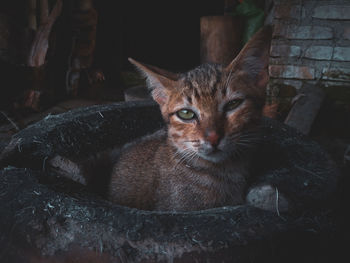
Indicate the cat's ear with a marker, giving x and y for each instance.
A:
(159, 81)
(253, 59)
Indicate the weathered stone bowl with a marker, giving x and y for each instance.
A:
(46, 218)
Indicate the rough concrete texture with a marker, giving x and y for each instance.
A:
(46, 218)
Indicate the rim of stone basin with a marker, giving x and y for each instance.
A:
(62, 218)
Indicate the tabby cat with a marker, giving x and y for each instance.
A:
(202, 158)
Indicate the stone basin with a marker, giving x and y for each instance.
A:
(48, 218)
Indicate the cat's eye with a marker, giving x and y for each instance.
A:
(233, 104)
(186, 114)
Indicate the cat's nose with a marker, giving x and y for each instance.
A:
(213, 138)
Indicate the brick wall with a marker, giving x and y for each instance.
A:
(311, 44)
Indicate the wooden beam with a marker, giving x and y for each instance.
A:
(32, 24)
(306, 106)
(220, 39)
(44, 12)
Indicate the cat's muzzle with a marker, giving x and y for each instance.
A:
(212, 153)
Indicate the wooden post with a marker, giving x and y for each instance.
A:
(32, 23)
(44, 11)
(220, 39)
(306, 106)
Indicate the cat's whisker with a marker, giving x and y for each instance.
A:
(247, 137)
(185, 155)
(177, 155)
(178, 163)
(182, 154)
(195, 161)
(192, 157)
(189, 156)
(251, 142)
(244, 142)
(241, 143)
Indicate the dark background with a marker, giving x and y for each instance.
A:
(161, 33)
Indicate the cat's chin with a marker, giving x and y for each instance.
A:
(214, 157)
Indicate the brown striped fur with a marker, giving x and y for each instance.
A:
(203, 162)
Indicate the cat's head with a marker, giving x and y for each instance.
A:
(212, 109)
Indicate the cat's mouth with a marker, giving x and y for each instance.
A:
(206, 152)
(215, 155)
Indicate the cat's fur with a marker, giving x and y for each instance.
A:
(202, 162)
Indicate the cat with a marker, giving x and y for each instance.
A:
(202, 158)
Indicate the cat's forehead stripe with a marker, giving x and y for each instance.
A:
(196, 93)
(204, 79)
(189, 99)
(223, 91)
(213, 91)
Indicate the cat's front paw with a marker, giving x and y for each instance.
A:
(267, 197)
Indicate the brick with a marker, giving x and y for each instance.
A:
(346, 34)
(285, 51)
(287, 11)
(319, 52)
(342, 53)
(332, 12)
(291, 72)
(303, 32)
(341, 74)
